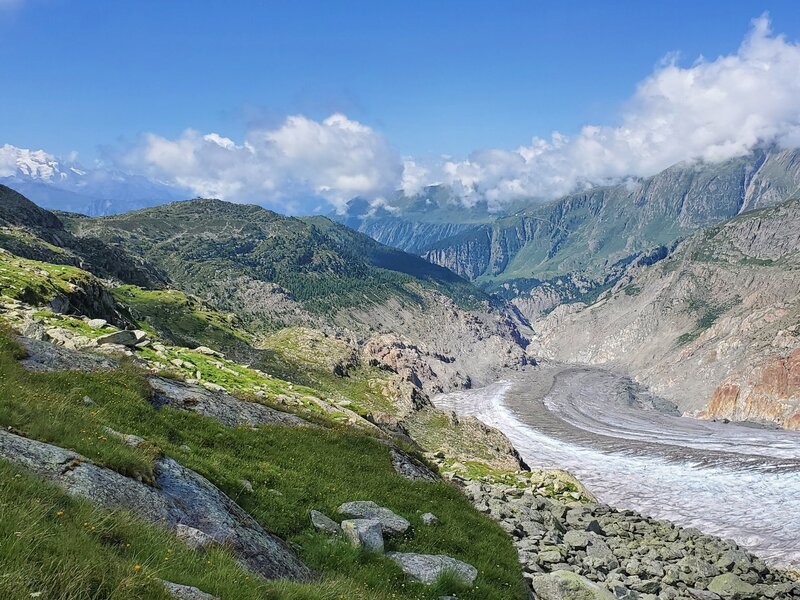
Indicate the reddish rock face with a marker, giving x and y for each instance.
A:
(770, 392)
(723, 402)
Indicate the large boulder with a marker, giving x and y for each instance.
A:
(566, 585)
(180, 497)
(364, 533)
(223, 407)
(125, 337)
(428, 568)
(730, 586)
(391, 523)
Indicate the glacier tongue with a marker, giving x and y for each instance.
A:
(729, 480)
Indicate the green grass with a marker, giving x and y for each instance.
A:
(708, 316)
(308, 357)
(292, 470)
(37, 282)
(183, 320)
(64, 548)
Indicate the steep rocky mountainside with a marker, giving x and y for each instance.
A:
(574, 248)
(274, 271)
(715, 327)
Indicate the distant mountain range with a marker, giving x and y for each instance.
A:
(575, 247)
(68, 186)
(533, 253)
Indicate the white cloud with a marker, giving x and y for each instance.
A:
(337, 159)
(712, 110)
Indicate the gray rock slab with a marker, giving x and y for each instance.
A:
(181, 497)
(44, 356)
(223, 407)
(428, 568)
(124, 337)
(392, 523)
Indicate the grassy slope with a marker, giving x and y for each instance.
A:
(183, 320)
(324, 265)
(292, 471)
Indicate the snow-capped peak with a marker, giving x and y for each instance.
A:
(33, 164)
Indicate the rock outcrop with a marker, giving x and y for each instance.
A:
(769, 392)
(181, 497)
(219, 405)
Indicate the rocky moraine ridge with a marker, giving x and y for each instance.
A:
(590, 551)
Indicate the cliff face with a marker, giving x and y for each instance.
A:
(587, 232)
(771, 391)
(714, 328)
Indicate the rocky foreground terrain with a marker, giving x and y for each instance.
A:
(586, 550)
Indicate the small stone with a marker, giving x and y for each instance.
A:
(365, 509)
(430, 519)
(325, 524)
(549, 556)
(192, 537)
(578, 539)
(186, 592)
(88, 401)
(97, 323)
(364, 533)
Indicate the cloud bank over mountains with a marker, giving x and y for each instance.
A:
(335, 159)
(712, 110)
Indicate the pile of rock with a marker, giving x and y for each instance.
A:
(369, 524)
(592, 551)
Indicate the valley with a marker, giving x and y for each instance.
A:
(633, 451)
(223, 356)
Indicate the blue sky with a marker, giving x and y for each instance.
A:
(434, 77)
(431, 78)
